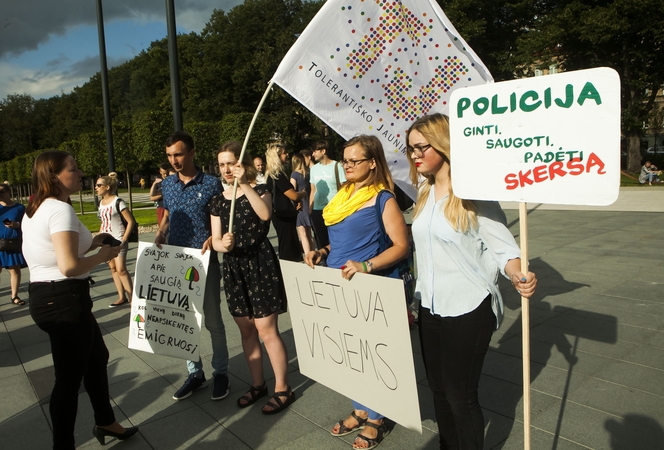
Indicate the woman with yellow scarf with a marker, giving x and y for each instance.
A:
(355, 235)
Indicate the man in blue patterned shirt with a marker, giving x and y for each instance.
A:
(186, 222)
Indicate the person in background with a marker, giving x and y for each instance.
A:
(325, 178)
(110, 208)
(649, 173)
(259, 165)
(11, 214)
(308, 159)
(463, 245)
(252, 275)
(155, 191)
(355, 246)
(284, 216)
(60, 302)
(300, 181)
(186, 223)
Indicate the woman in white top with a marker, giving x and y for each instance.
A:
(110, 208)
(461, 247)
(60, 302)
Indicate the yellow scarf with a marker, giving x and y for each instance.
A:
(343, 205)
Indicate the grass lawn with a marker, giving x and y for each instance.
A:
(144, 217)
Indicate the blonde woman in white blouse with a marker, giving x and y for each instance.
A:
(461, 247)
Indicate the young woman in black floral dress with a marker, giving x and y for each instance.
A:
(252, 276)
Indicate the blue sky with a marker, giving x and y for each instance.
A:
(47, 48)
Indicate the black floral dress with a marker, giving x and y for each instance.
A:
(251, 272)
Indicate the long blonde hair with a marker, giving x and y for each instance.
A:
(297, 161)
(461, 214)
(273, 165)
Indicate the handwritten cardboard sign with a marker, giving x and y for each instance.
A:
(548, 139)
(353, 337)
(167, 303)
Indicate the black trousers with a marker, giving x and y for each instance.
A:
(290, 248)
(64, 310)
(454, 350)
(320, 230)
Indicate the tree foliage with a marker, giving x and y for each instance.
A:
(226, 68)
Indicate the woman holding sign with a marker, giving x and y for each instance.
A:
(60, 302)
(354, 229)
(252, 275)
(461, 247)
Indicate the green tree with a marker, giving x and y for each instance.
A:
(625, 35)
(149, 131)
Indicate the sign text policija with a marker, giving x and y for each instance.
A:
(556, 163)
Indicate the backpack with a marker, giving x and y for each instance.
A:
(133, 237)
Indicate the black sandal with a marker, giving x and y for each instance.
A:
(373, 442)
(278, 405)
(344, 430)
(18, 301)
(253, 394)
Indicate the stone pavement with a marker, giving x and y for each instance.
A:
(597, 350)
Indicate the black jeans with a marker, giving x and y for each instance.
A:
(320, 230)
(454, 350)
(64, 310)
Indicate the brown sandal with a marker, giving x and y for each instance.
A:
(18, 301)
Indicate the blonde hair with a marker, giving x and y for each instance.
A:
(273, 165)
(297, 161)
(111, 180)
(461, 214)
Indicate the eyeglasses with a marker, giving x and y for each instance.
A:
(418, 150)
(100, 185)
(352, 162)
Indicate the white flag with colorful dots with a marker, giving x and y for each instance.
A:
(374, 67)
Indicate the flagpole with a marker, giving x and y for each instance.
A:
(525, 326)
(244, 148)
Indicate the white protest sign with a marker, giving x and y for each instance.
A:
(353, 337)
(167, 303)
(548, 139)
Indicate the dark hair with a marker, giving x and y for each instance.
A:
(165, 166)
(306, 152)
(321, 145)
(181, 136)
(44, 172)
(235, 148)
(373, 149)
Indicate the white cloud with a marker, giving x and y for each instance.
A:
(37, 83)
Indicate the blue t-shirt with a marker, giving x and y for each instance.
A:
(357, 236)
(189, 221)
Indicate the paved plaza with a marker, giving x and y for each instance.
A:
(597, 350)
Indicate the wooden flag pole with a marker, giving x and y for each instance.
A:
(525, 326)
(244, 148)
